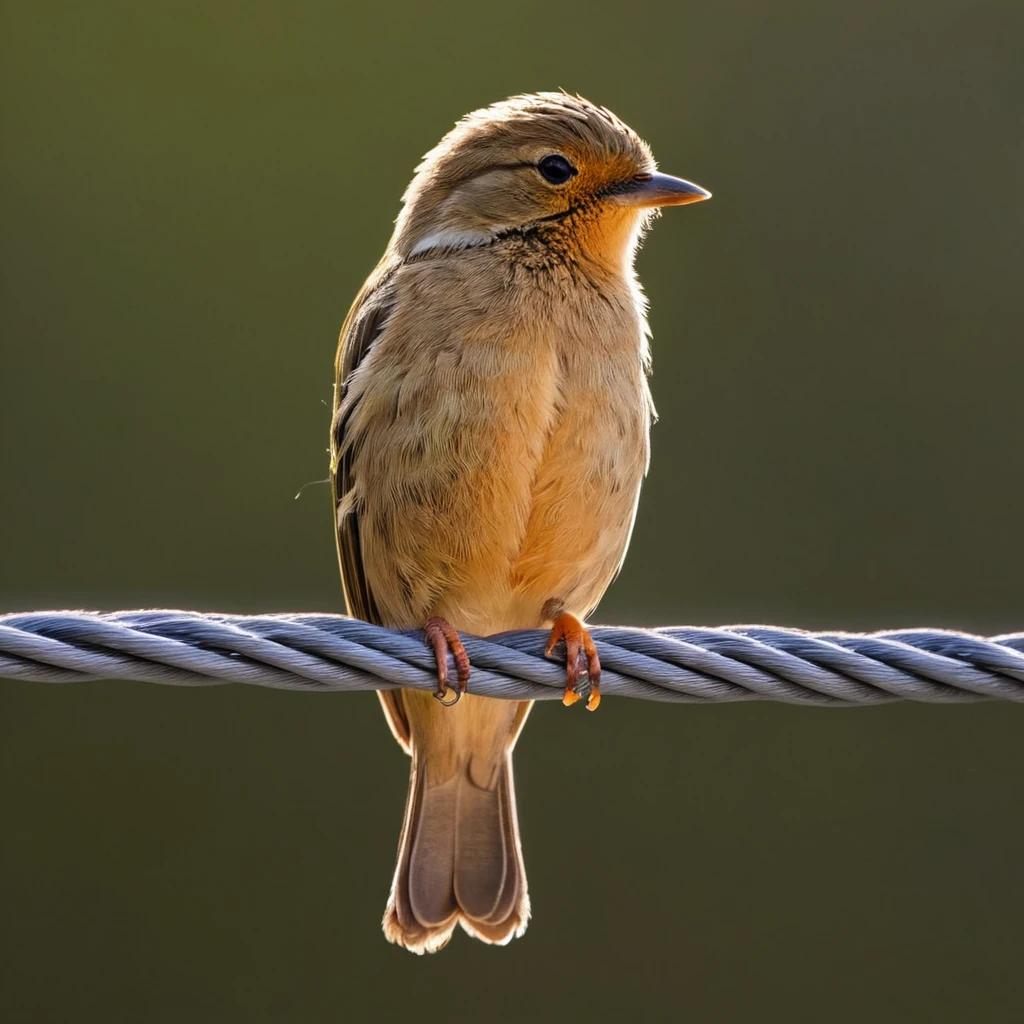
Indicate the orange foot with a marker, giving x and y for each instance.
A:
(442, 636)
(577, 643)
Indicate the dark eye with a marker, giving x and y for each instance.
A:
(556, 169)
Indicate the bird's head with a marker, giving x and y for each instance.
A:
(546, 165)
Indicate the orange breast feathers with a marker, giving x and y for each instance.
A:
(498, 444)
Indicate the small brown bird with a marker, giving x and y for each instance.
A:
(489, 438)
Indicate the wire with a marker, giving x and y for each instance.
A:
(684, 664)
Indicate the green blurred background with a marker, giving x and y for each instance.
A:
(192, 194)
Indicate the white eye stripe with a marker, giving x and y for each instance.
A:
(452, 239)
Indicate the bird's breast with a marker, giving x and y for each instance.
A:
(503, 427)
(586, 482)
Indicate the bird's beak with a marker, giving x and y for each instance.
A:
(659, 190)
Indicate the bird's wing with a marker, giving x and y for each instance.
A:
(362, 327)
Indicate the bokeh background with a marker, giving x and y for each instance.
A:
(193, 192)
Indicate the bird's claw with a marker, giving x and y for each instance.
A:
(582, 665)
(444, 639)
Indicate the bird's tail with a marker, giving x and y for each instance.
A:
(459, 862)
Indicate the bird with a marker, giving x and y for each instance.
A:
(489, 437)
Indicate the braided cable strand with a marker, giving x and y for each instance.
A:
(683, 664)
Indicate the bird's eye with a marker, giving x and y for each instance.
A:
(556, 169)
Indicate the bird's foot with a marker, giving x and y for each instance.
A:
(581, 660)
(444, 638)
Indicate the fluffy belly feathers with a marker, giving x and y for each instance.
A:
(496, 482)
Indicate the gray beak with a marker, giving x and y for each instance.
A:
(659, 190)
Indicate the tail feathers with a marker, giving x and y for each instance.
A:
(459, 863)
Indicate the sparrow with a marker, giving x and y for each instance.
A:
(489, 438)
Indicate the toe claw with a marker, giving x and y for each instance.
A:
(440, 695)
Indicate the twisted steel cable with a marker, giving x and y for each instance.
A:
(683, 664)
